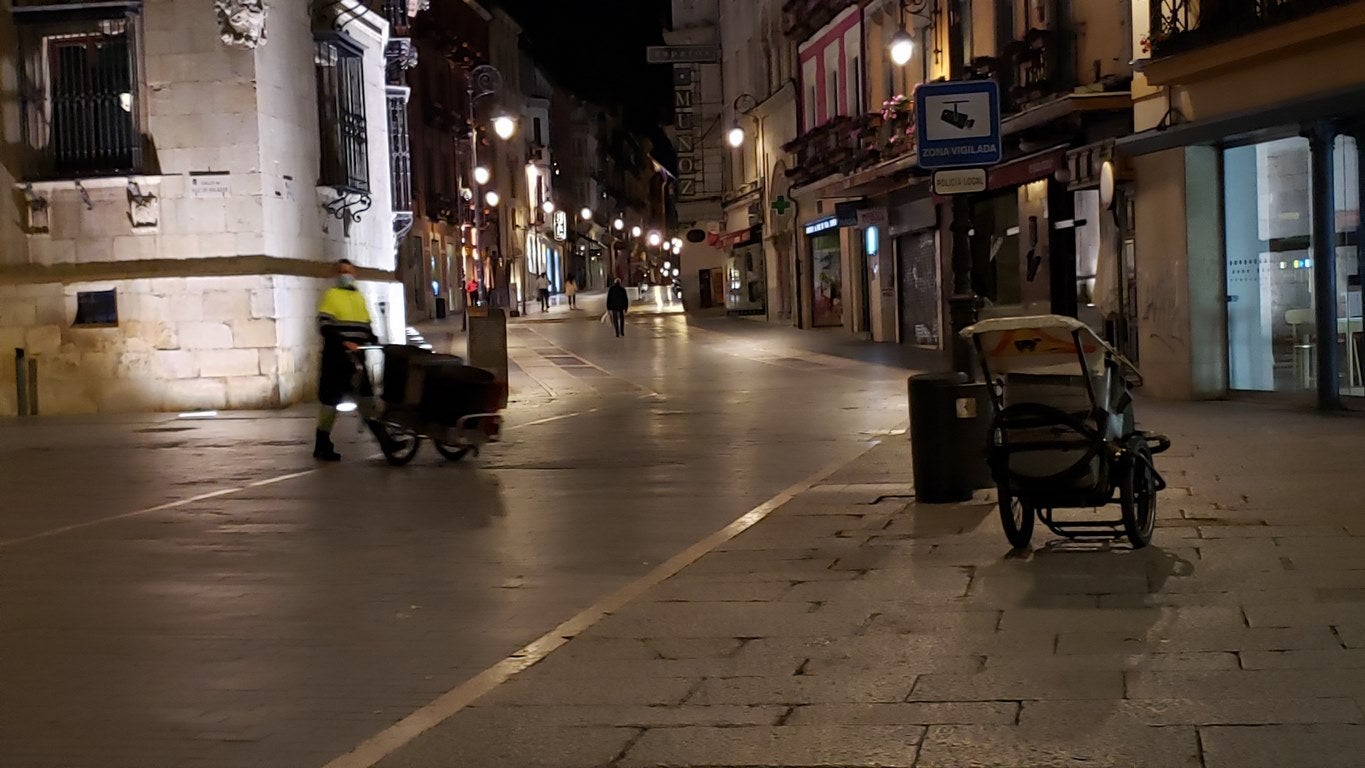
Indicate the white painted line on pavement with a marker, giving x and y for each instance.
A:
(223, 492)
(135, 513)
(398, 735)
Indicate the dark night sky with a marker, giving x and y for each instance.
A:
(596, 48)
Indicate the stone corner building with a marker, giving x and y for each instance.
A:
(183, 175)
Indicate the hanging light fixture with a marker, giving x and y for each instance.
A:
(902, 47)
(735, 136)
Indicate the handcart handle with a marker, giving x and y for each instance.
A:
(1156, 443)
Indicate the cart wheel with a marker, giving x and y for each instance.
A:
(1137, 494)
(451, 452)
(1017, 519)
(400, 447)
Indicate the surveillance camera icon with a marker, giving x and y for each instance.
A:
(958, 120)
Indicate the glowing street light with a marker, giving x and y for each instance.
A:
(654, 239)
(667, 266)
(735, 136)
(618, 225)
(482, 175)
(548, 206)
(492, 199)
(677, 245)
(635, 231)
(586, 213)
(902, 48)
(504, 126)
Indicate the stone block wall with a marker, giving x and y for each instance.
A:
(289, 151)
(181, 343)
(238, 333)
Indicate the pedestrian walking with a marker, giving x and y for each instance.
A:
(618, 301)
(471, 290)
(571, 290)
(344, 322)
(543, 291)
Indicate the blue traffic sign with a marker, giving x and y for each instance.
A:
(958, 124)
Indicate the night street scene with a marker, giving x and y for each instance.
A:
(682, 384)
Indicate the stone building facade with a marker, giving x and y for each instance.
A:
(183, 180)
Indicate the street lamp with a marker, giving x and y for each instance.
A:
(902, 47)
(677, 245)
(492, 199)
(618, 225)
(736, 135)
(548, 206)
(504, 126)
(654, 239)
(481, 175)
(635, 231)
(586, 213)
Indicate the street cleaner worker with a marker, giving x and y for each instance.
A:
(344, 322)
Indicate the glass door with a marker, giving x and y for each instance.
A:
(1272, 335)
(1350, 335)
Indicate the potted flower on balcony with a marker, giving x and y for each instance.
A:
(898, 121)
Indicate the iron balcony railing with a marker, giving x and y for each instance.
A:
(1182, 25)
(803, 18)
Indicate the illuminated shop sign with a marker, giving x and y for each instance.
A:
(821, 225)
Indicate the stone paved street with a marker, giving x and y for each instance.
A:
(288, 621)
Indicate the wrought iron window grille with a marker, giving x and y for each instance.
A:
(79, 94)
(341, 115)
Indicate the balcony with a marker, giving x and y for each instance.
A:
(835, 147)
(803, 18)
(1183, 25)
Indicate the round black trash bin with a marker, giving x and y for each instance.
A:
(950, 420)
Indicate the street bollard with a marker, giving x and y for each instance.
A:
(33, 386)
(20, 382)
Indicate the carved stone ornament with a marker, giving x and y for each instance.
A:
(242, 22)
(38, 208)
(144, 208)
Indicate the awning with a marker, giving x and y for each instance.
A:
(1347, 102)
(1042, 114)
(874, 180)
(1030, 167)
(737, 238)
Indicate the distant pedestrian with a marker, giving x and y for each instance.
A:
(471, 290)
(618, 301)
(543, 291)
(571, 290)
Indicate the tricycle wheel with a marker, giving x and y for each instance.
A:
(401, 445)
(451, 452)
(1137, 493)
(1016, 518)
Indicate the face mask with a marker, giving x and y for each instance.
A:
(346, 281)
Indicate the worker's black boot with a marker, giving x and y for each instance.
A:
(323, 450)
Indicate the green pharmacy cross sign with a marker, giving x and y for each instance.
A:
(781, 204)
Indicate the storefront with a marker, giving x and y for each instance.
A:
(1272, 220)
(826, 272)
(919, 291)
(1273, 331)
(746, 272)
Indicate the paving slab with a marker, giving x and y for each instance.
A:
(1076, 743)
(1323, 745)
(790, 746)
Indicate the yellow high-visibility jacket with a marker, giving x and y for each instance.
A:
(343, 316)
